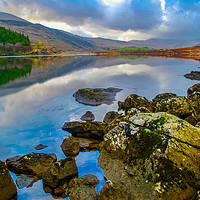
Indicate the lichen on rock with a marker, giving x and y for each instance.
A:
(154, 156)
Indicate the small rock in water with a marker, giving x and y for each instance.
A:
(23, 181)
(88, 116)
(40, 146)
(70, 146)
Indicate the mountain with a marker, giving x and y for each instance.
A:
(66, 41)
(38, 33)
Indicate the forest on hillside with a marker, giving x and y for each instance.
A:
(13, 43)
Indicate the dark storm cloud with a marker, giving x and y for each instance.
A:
(179, 18)
(133, 15)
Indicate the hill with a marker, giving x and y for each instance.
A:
(13, 43)
(65, 41)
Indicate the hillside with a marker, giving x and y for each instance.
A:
(13, 43)
(65, 41)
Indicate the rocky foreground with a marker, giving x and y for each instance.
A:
(148, 150)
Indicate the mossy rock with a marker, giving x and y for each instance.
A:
(135, 101)
(154, 156)
(60, 172)
(8, 189)
(96, 96)
(31, 164)
(193, 89)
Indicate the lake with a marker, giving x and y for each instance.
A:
(36, 99)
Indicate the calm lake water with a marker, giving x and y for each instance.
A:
(36, 99)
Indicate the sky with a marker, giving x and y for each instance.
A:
(114, 19)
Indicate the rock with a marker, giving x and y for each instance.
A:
(177, 106)
(8, 189)
(88, 116)
(40, 146)
(60, 172)
(198, 125)
(194, 102)
(111, 191)
(31, 164)
(70, 146)
(160, 97)
(94, 130)
(83, 188)
(135, 101)
(158, 159)
(110, 116)
(193, 89)
(194, 75)
(24, 181)
(88, 144)
(97, 96)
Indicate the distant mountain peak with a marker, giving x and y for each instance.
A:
(6, 17)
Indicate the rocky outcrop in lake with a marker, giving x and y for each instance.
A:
(187, 108)
(8, 189)
(88, 116)
(193, 75)
(151, 156)
(31, 164)
(97, 96)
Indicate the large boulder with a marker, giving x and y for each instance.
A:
(135, 101)
(8, 189)
(153, 156)
(60, 172)
(83, 188)
(177, 106)
(94, 130)
(31, 164)
(97, 96)
(70, 146)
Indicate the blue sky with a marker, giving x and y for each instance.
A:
(114, 19)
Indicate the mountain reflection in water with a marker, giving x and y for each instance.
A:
(36, 99)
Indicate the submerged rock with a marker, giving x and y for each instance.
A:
(193, 89)
(194, 75)
(97, 96)
(60, 172)
(40, 147)
(24, 181)
(88, 129)
(88, 116)
(70, 146)
(32, 163)
(8, 189)
(156, 159)
(83, 188)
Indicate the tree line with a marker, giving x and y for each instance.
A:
(12, 37)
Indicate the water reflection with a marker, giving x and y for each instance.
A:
(34, 107)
